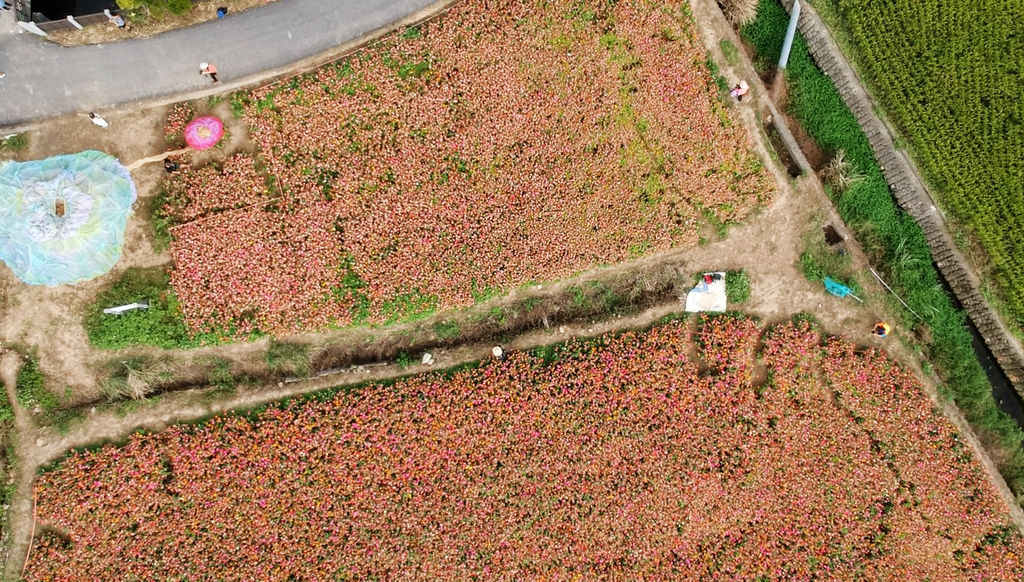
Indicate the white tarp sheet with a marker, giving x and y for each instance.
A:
(707, 296)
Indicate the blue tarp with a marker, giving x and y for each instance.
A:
(62, 219)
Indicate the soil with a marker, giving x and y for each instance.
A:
(767, 246)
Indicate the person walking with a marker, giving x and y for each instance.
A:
(208, 69)
(96, 119)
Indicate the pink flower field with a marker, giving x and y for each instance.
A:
(619, 459)
(503, 143)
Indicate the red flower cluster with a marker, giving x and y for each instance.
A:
(195, 193)
(512, 141)
(621, 460)
(177, 118)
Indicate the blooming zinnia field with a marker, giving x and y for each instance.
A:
(624, 458)
(506, 142)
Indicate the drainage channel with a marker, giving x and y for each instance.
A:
(1006, 397)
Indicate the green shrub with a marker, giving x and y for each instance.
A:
(729, 51)
(31, 387)
(161, 222)
(737, 286)
(403, 360)
(179, 7)
(220, 376)
(15, 143)
(447, 329)
(161, 325)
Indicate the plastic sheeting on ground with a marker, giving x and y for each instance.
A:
(62, 219)
(707, 296)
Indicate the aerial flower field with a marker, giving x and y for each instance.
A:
(503, 143)
(623, 458)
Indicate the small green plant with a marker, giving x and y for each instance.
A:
(179, 7)
(220, 376)
(161, 222)
(579, 297)
(6, 412)
(31, 387)
(15, 143)
(288, 358)
(729, 51)
(404, 360)
(239, 100)
(720, 81)
(737, 286)
(447, 329)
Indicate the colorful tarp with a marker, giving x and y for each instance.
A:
(62, 219)
(204, 132)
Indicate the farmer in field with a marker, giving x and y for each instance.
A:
(739, 91)
(881, 329)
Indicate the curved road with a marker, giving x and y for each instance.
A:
(46, 80)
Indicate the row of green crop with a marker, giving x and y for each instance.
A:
(949, 75)
(891, 238)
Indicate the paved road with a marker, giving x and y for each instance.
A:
(45, 80)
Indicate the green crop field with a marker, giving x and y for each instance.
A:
(949, 74)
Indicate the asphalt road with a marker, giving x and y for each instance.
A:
(46, 80)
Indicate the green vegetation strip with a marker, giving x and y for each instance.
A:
(160, 325)
(891, 238)
(949, 75)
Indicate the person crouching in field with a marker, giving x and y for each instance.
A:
(739, 91)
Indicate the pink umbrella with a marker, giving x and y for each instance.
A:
(204, 132)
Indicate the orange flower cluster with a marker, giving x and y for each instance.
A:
(621, 459)
(506, 142)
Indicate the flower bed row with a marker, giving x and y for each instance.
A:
(507, 142)
(617, 459)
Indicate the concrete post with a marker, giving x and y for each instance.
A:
(787, 44)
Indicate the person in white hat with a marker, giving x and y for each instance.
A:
(208, 69)
(739, 91)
